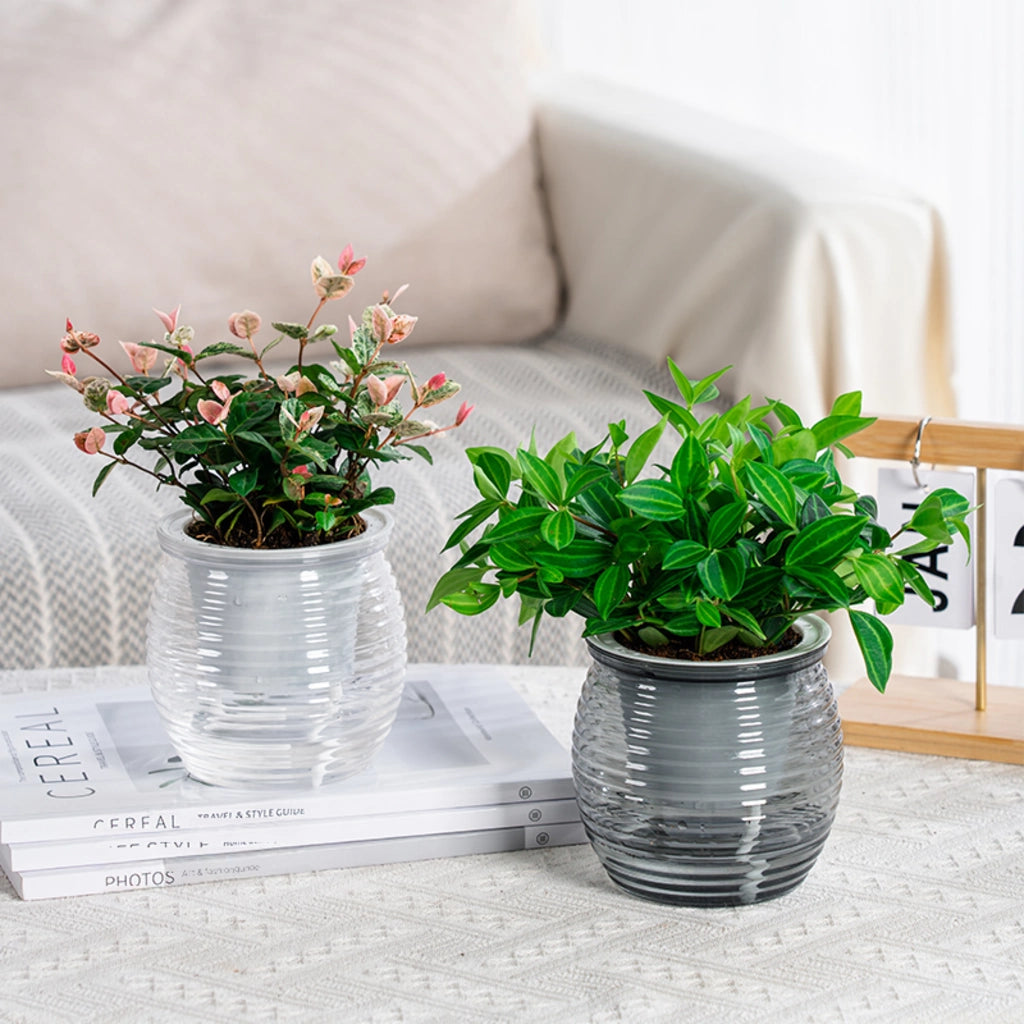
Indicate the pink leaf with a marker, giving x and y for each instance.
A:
(169, 320)
(402, 327)
(117, 404)
(393, 385)
(244, 324)
(382, 325)
(210, 410)
(141, 356)
(90, 441)
(377, 389)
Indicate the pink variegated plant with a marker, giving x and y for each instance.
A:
(264, 460)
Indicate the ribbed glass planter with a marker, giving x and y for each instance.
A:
(708, 783)
(276, 668)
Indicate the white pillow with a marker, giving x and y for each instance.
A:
(204, 151)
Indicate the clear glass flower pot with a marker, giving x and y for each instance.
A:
(708, 783)
(276, 668)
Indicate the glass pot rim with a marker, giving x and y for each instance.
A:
(176, 542)
(816, 634)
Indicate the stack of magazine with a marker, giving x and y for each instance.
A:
(94, 799)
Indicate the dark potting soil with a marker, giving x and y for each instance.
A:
(244, 536)
(684, 648)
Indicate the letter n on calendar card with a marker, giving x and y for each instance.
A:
(946, 569)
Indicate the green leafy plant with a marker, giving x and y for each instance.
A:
(717, 551)
(264, 460)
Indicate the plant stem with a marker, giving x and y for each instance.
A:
(303, 341)
(139, 397)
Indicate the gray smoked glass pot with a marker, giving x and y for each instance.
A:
(708, 783)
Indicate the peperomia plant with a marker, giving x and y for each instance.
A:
(264, 460)
(744, 528)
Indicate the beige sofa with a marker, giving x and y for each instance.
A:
(561, 239)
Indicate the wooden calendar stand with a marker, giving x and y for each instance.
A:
(943, 716)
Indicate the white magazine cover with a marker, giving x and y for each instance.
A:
(81, 764)
(89, 879)
(106, 849)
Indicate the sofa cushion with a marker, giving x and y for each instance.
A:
(78, 570)
(203, 151)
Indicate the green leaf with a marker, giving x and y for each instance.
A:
(475, 600)
(953, 502)
(880, 577)
(917, 582)
(774, 489)
(563, 602)
(510, 557)
(101, 476)
(288, 418)
(715, 638)
(708, 613)
(653, 499)
(705, 390)
(824, 580)
(580, 478)
(680, 418)
(722, 573)
(642, 449)
(763, 443)
(801, 444)
(875, 642)
(540, 476)
(805, 474)
(126, 438)
(219, 494)
(291, 330)
(834, 428)
(600, 500)
(582, 558)
(348, 357)
(496, 469)
(473, 517)
(254, 437)
(558, 529)
(825, 541)
(243, 482)
(610, 589)
(814, 508)
(683, 554)
(690, 470)
(743, 618)
(517, 523)
(454, 581)
(787, 416)
(725, 523)
(422, 451)
(683, 383)
(270, 345)
(847, 404)
(146, 385)
(326, 520)
(223, 348)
